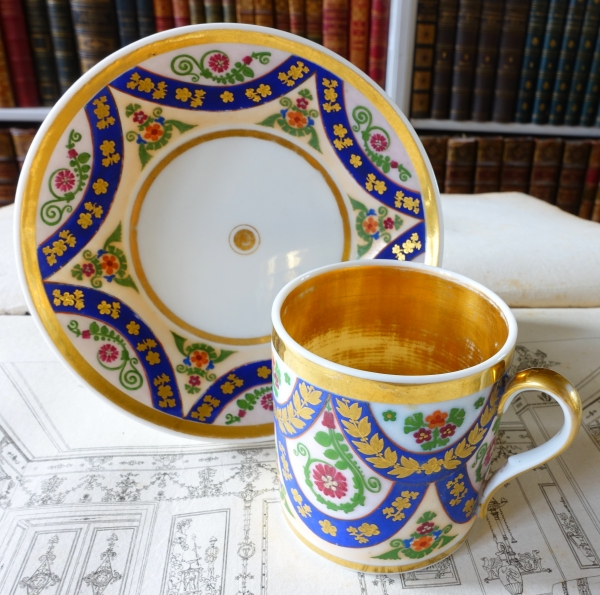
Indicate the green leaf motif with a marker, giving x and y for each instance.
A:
(323, 439)
(457, 416)
(331, 454)
(413, 423)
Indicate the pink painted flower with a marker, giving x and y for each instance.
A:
(88, 269)
(140, 117)
(447, 430)
(302, 102)
(246, 60)
(425, 528)
(488, 455)
(422, 435)
(328, 420)
(64, 180)
(267, 402)
(394, 164)
(72, 153)
(379, 142)
(241, 413)
(108, 353)
(218, 63)
(194, 380)
(86, 335)
(388, 223)
(330, 481)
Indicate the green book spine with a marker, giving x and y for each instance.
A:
(592, 90)
(566, 62)
(145, 17)
(581, 71)
(43, 56)
(549, 61)
(63, 41)
(197, 16)
(213, 9)
(538, 14)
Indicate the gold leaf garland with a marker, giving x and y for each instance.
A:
(292, 417)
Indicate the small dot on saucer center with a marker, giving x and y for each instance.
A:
(244, 239)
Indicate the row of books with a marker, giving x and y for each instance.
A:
(47, 44)
(508, 61)
(14, 144)
(561, 172)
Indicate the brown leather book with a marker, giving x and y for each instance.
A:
(22, 139)
(487, 59)
(460, 165)
(572, 175)
(510, 57)
(282, 15)
(435, 147)
(9, 172)
(444, 58)
(314, 20)
(298, 17)
(547, 158)
(358, 44)
(516, 164)
(465, 50)
(420, 103)
(336, 14)
(263, 13)
(488, 164)
(7, 98)
(245, 11)
(592, 177)
(181, 13)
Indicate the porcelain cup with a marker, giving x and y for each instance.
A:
(389, 382)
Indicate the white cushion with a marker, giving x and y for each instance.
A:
(530, 253)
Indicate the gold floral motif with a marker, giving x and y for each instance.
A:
(232, 382)
(133, 328)
(100, 186)
(68, 299)
(102, 112)
(328, 528)
(292, 416)
(373, 184)
(59, 247)
(198, 99)
(411, 204)
(408, 247)
(85, 219)
(260, 93)
(359, 427)
(363, 532)
(113, 310)
(398, 505)
(285, 467)
(206, 408)
(161, 91)
(183, 94)
(304, 509)
(355, 160)
(457, 489)
(108, 150)
(331, 96)
(164, 390)
(144, 85)
(342, 141)
(226, 96)
(469, 506)
(152, 357)
(294, 73)
(487, 415)
(263, 372)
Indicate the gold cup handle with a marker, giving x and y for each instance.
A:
(563, 392)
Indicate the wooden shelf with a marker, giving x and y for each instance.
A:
(504, 129)
(23, 114)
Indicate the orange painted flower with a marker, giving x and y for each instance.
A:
(109, 263)
(296, 119)
(199, 358)
(370, 225)
(437, 419)
(153, 132)
(421, 543)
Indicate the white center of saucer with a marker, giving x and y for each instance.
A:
(227, 223)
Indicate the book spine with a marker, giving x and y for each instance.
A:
(127, 21)
(460, 165)
(229, 11)
(488, 164)
(335, 26)
(581, 70)
(95, 23)
(181, 13)
(197, 16)
(572, 175)
(443, 58)
(163, 15)
(378, 40)
(298, 17)
(244, 10)
(145, 17)
(538, 13)
(213, 9)
(547, 158)
(41, 45)
(423, 61)
(592, 90)
(516, 164)
(358, 51)
(9, 173)
(590, 184)
(282, 15)
(7, 98)
(22, 139)
(467, 31)
(566, 62)
(596, 211)
(20, 62)
(314, 20)
(436, 147)
(263, 13)
(63, 42)
(549, 61)
(510, 58)
(492, 12)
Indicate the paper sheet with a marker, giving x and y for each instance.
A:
(93, 502)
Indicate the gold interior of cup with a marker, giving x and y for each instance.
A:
(394, 320)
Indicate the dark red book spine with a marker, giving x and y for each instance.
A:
(592, 177)
(20, 62)
(163, 15)
(336, 15)
(181, 13)
(378, 40)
